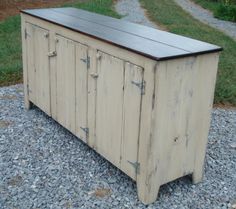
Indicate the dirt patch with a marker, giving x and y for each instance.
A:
(224, 106)
(15, 181)
(4, 123)
(13, 7)
(101, 192)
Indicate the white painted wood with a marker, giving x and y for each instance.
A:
(146, 191)
(164, 130)
(179, 129)
(131, 118)
(92, 85)
(24, 59)
(109, 106)
(38, 66)
(202, 103)
(41, 65)
(30, 31)
(53, 74)
(81, 76)
(65, 82)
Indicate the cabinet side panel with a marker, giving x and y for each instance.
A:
(184, 97)
(109, 107)
(131, 117)
(184, 90)
(65, 87)
(172, 136)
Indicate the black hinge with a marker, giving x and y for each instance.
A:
(27, 89)
(136, 166)
(25, 34)
(87, 61)
(140, 85)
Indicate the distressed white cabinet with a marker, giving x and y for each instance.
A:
(140, 97)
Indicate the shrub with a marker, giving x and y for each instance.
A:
(226, 11)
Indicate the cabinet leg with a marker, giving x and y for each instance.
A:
(28, 104)
(148, 192)
(197, 176)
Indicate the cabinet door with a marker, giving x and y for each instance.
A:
(37, 40)
(133, 90)
(71, 86)
(119, 96)
(65, 82)
(109, 106)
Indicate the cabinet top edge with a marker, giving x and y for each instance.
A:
(149, 42)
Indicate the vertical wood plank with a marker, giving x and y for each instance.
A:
(41, 64)
(146, 192)
(202, 103)
(24, 59)
(81, 91)
(30, 30)
(92, 89)
(65, 67)
(131, 118)
(53, 74)
(109, 107)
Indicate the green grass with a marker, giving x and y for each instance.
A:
(10, 39)
(10, 51)
(212, 6)
(174, 19)
(220, 10)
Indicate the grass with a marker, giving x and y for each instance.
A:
(10, 39)
(220, 10)
(176, 20)
(10, 51)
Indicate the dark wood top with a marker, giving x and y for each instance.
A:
(149, 42)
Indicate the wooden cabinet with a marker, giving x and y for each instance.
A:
(140, 97)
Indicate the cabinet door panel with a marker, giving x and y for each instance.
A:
(30, 30)
(81, 91)
(65, 82)
(38, 66)
(109, 106)
(131, 117)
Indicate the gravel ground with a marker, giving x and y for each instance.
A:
(42, 165)
(132, 11)
(206, 16)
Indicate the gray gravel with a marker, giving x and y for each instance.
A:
(132, 11)
(206, 16)
(42, 165)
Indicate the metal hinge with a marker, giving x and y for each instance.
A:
(87, 61)
(27, 89)
(25, 34)
(86, 130)
(136, 166)
(141, 85)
